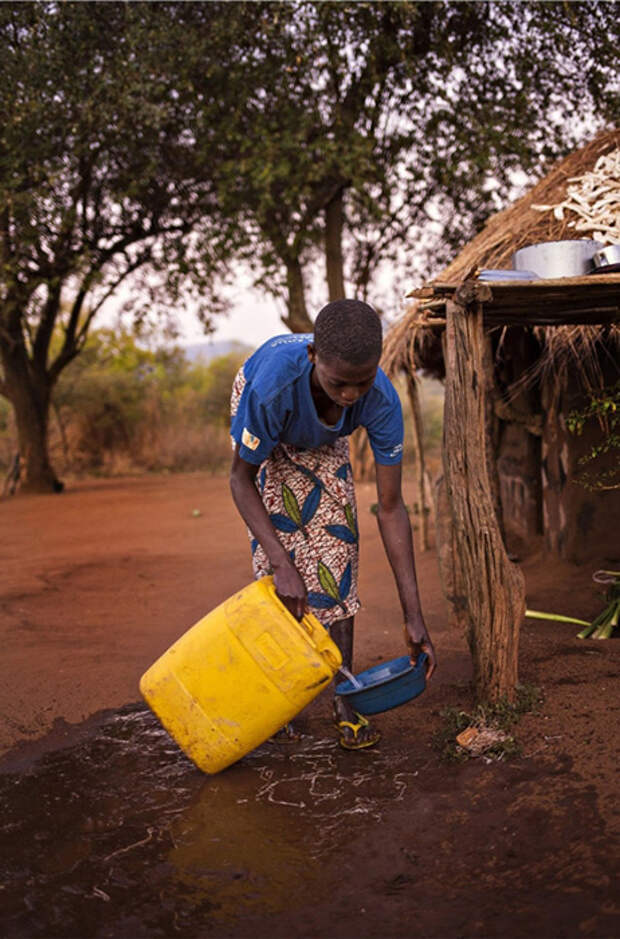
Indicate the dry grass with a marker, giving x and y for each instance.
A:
(412, 344)
(182, 449)
(165, 448)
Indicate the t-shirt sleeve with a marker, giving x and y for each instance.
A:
(254, 427)
(385, 426)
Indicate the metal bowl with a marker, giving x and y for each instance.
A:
(386, 686)
(607, 260)
(552, 259)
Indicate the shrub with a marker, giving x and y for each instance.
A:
(121, 408)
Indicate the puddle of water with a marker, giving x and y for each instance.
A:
(122, 835)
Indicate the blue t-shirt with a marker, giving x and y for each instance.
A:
(277, 406)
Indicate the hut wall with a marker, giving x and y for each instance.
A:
(538, 461)
(518, 442)
(518, 464)
(579, 524)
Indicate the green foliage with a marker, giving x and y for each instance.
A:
(107, 151)
(219, 375)
(603, 408)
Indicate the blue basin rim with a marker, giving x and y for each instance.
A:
(383, 674)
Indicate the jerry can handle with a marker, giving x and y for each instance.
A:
(308, 629)
(305, 622)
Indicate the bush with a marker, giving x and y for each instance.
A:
(121, 408)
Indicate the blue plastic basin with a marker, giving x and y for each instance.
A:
(386, 686)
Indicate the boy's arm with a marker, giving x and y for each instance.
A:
(398, 542)
(289, 585)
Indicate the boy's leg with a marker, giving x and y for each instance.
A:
(365, 736)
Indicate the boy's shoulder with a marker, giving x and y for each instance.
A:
(383, 386)
(280, 361)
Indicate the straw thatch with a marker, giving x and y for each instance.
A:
(523, 223)
(412, 344)
(543, 214)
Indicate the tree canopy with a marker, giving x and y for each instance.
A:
(367, 120)
(100, 176)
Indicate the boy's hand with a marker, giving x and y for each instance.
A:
(418, 640)
(290, 588)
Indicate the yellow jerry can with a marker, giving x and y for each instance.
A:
(239, 675)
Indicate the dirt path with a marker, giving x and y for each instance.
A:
(99, 581)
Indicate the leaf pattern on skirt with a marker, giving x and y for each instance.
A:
(310, 499)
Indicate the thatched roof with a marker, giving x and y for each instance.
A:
(523, 223)
(579, 197)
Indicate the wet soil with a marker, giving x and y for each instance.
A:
(107, 830)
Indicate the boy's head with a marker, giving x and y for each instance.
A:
(346, 350)
(349, 330)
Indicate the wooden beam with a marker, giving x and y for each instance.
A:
(572, 301)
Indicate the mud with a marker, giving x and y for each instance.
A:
(120, 835)
(107, 831)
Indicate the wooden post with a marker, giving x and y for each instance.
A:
(490, 435)
(494, 601)
(420, 465)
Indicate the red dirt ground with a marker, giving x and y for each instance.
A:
(100, 580)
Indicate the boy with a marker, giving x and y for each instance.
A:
(294, 403)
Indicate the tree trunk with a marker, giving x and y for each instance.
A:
(297, 319)
(493, 586)
(334, 223)
(30, 396)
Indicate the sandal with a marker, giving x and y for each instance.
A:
(354, 741)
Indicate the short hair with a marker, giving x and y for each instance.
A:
(349, 330)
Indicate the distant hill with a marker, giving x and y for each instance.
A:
(207, 351)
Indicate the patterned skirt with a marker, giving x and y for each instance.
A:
(310, 498)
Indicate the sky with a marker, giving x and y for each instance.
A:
(252, 319)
